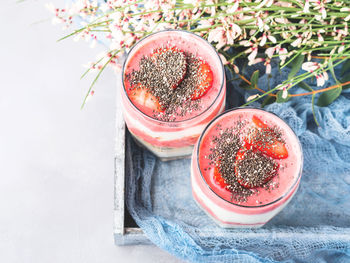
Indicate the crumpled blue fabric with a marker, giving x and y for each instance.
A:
(314, 227)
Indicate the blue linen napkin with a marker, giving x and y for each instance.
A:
(314, 227)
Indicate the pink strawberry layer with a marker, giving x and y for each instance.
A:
(202, 192)
(175, 136)
(186, 129)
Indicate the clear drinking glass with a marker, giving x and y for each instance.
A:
(218, 203)
(173, 139)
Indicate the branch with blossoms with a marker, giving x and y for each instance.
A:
(311, 35)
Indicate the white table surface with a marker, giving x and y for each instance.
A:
(56, 161)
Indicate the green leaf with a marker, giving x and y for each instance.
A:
(345, 68)
(279, 98)
(331, 69)
(328, 97)
(268, 100)
(344, 79)
(304, 86)
(298, 61)
(254, 78)
(245, 86)
(313, 108)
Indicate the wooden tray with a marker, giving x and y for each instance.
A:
(126, 231)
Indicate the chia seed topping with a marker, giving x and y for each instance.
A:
(161, 72)
(255, 169)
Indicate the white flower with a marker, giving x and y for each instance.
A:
(268, 69)
(283, 54)
(255, 61)
(341, 48)
(268, 66)
(320, 80)
(323, 12)
(284, 93)
(233, 8)
(252, 97)
(263, 40)
(205, 23)
(297, 42)
(310, 66)
(272, 38)
(217, 35)
(245, 43)
(320, 38)
(235, 68)
(253, 53)
(269, 51)
(223, 59)
(266, 3)
(306, 7)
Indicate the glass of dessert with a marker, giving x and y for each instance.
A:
(173, 85)
(246, 167)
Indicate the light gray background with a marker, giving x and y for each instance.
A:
(56, 161)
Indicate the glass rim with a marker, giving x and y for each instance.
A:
(181, 121)
(250, 206)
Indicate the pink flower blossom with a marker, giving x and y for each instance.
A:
(283, 54)
(254, 52)
(268, 66)
(233, 8)
(269, 51)
(266, 3)
(223, 59)
(255, 61)
(271, 38)
(284, 93)
(341, 48)
(297, 42)
(263, 40)
(217, 35)
(310, 66)
(321, 79)
(306, 7)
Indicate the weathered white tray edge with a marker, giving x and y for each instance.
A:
(122, 235)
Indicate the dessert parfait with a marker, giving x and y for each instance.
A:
(173, 85)
(246, 167)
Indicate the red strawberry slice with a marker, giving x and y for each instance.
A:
(206, 80)
(140, 95)
(171, 63)
(253, 169)
(274, 148)
(259, 123)
(218, 177)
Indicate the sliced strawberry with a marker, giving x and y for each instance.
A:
(140, 95)
(205, 76)
(273, 148)
(253, 169)
(171, 63)
(259, 123)
(218, 177)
